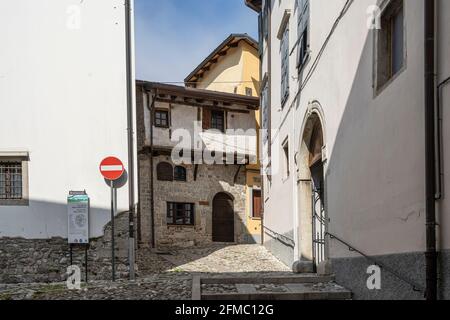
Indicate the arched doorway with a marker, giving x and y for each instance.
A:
(223, 218)
(311, 188)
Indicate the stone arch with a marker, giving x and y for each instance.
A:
(310, 158)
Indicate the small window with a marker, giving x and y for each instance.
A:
(11, 180)
(390, 43)
(218, 120)
(285, 66)
(286, 158)
(179, 173)
(164, 171)
(180, 214)
(162, 118)
(248, 92)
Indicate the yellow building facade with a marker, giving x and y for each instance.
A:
(234, 67)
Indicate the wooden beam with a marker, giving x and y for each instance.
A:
(195, 172)
(201, 105)
(237, 173)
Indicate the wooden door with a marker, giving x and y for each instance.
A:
(223, 218)
(256, 203)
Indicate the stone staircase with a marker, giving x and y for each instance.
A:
(292, 287)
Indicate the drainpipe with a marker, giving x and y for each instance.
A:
(430, 151)
(152, 193)
(130, 84)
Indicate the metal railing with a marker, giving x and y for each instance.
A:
(415, 286)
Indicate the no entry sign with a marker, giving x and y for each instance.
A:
(111, 168)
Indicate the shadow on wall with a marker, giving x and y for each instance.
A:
(378, 155)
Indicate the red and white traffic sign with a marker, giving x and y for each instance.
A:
(112, 168)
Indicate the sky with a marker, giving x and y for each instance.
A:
(175, 36)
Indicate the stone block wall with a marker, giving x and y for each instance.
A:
(46, 260)
(211, 180)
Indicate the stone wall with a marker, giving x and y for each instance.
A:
(46, 260)
(210, 181)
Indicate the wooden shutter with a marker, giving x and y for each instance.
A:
(164, 171)
(206, 119)
(285, 66)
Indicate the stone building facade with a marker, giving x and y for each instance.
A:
(192, 203)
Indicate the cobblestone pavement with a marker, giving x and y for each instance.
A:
(165, 276)
(226, 259)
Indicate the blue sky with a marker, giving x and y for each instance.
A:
(174, 36)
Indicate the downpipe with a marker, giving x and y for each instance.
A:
(430, 150)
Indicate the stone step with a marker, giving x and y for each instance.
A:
(302, 278)
(297, 287)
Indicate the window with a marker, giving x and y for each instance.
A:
(302, 30)
(218, 120)
(179, 173)
(11, 180)
(248, 92)
(162, 118)
(285, 65)
(390, 43)
(164, 171)
(14, 181)
(180, 214)
(265, 113)
(286, 158)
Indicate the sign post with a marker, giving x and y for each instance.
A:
(112, 169)
(78, 224)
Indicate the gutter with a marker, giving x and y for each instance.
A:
(430, 150)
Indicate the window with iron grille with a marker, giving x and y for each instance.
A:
(218, 120)
(302, 31)
(162, 118)
(180, 214)
(285, 66)
(11, 180)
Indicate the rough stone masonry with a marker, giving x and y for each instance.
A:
(46, 260)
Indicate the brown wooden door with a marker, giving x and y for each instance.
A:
(256, 203)
(223, 218)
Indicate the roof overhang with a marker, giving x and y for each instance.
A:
(198, 97)
(254, 4)
(231, 42)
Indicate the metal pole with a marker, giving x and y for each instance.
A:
(131, 178)
(113, 214)
(86, 262)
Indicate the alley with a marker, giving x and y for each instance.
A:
(162, 276)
